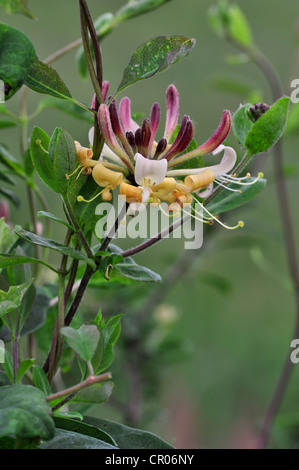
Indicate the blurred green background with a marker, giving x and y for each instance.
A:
(234, 305)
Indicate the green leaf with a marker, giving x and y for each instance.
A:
(83, 341)
(48, 215)
(53, 245)
(42, 78)
(215, 21)
(68, 415)
(137, 7)
(96, 393)
(23, 368)
(7, 260)
(228, 20)
(12, 299)
(238, 26)
(63, 156)
(107, 22)
(269, 128)
(68, 107)
(54, 158)
(132, 270)
(11, 196)
(16, 58)
(10, 162)
(25, 413)
(98, 354)
(7, 237)
(83, 428)
(6, 124)
(127, 437)
(28, 165)
(155, 56)
(111, 332)
(4, 176)
(39, 145)
(16, 6)
(26, 306)
(74, 440)
(7, 443)
(40, 380)
(8, 365)
(242, 124)
(229, 200)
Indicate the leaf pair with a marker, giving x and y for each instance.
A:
(258, 136)
(94, 343)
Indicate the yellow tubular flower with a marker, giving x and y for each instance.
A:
(131, 193)
(105, 177)
(84, 154)
(199, 181)
(165, 188)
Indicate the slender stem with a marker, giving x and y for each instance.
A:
(79, 295)
(151, 241)
(290, 246)
(71, 281)
(15, 356)
(88, 55)
(76, 388)
(96, 76)
(63, 51)
(95, 42)
(30, 193)
(57, 342)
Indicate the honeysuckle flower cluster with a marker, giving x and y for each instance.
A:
(144, 167)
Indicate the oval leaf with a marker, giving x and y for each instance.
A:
(83, 341)
(83, 428)
(155, 56)
(40, 380)
(53, 245)
(44, 79)
(74, 440)
(229, 200)
(25, 413)
(138, 7)
(97, 393)
(16, 6)
(268, 129)
(16, 58)
(241, 124)
(54, 158)
(127, 437)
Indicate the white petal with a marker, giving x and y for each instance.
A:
(227, 163)
(110, 155)
(206, 192)
(219, 149)
(145, 193)
(91, 135)
(153, 170)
